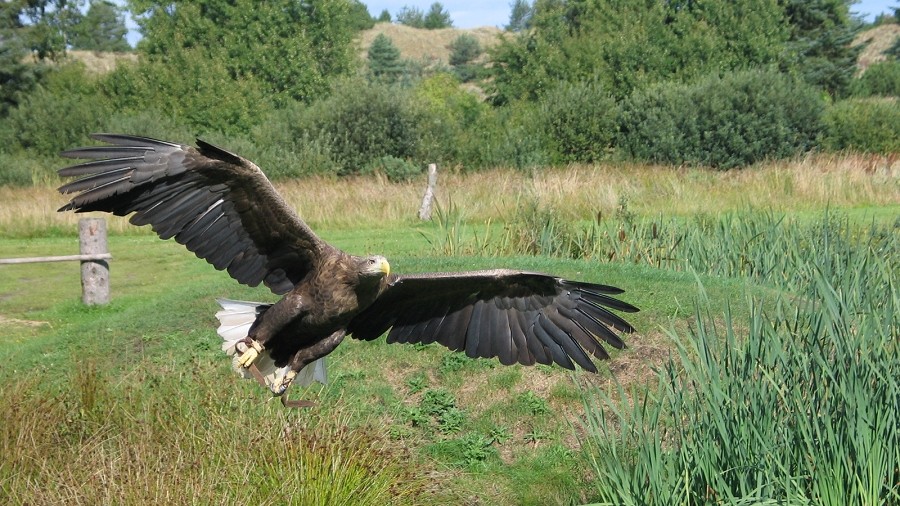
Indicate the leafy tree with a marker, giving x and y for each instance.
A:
(384, 60)
(16, 76)
(520, 15)
(437, 17)
(48, 22)
(819, 44)
(384, 17)
(191, 88)
(411, 16)
(629, 44)
(101, 29)
(292, 49)
(360, 19)
(62, 111)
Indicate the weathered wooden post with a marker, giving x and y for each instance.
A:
(425, 210)
(94, 273)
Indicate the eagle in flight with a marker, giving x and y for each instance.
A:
(223, 208)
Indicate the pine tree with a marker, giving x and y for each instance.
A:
(437, 17)
(820, 50)
(411, 16)
(520, 16)
(101, 29)
(384, 60)
(463, 50)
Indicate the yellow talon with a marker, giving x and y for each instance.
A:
(248, 357)
(286, 382)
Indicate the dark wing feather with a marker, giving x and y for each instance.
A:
(217, 204)
(515, 316)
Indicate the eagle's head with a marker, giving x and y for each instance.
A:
(375, 266)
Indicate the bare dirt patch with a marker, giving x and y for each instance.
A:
(4, 320)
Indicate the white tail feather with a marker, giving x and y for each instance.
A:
(236, 318)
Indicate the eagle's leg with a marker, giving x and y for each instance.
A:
(307, 356)
(269, 323)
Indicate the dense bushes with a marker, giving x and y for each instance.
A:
(361, 122)
(363, 127)
(881, 79)
(726, 122)
(59, 113)
(578, 121)
(198, 91)
(871, 125)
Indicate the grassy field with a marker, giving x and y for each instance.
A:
(134, 402)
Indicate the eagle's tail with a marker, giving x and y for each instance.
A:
(236, 318)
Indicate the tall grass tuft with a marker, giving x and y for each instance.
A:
(152, 441)
(804, 409)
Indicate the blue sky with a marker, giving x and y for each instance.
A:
(475, 13)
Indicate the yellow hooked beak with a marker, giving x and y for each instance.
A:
(377, 265)
(385, 266)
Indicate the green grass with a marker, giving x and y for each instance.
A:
(135, 403)
(149, 364)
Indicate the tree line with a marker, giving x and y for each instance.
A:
(721, 83)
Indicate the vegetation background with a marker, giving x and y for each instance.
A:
(732, 164)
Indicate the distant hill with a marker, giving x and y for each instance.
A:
(427, 46)
(879, 40)
(433, 46)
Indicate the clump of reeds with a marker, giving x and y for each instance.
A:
(803, 409)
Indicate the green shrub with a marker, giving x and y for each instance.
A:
(361, 122)
(732, 121)
(870, 124)
(464, 49)
(450, 116)
(210, 101)
(19, 169)
(58, 114)
(149, 123)
(508, 137)
(578, 121)
(283, 152)
(881, 79)
(395, 169)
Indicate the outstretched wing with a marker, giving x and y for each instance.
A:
(514, 316)
(217, 204)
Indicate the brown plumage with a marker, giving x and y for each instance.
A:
(223, 208)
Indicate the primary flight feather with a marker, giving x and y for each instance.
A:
(224, 209)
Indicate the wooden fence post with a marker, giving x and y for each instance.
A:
(94, 273)
(425, 210)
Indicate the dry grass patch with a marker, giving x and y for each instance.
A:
(878, 40)
(577, 192)
(431, 47)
